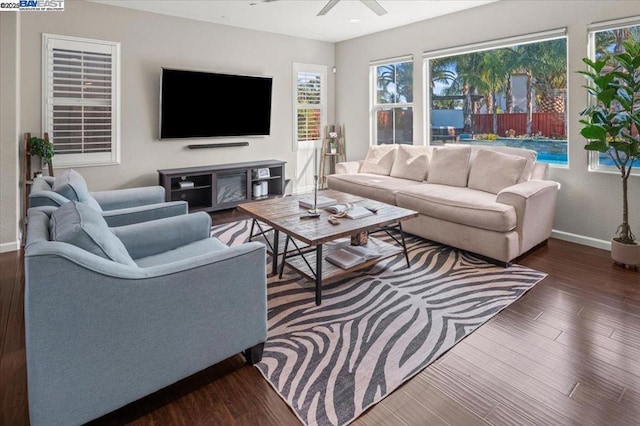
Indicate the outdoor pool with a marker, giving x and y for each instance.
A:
(550, 151)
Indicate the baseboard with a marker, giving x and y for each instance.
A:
(7, 247)
(581, 239)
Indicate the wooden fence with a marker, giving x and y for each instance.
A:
(550, 124)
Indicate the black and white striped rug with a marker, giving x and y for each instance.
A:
(376, 328)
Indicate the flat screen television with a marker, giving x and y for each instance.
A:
(196, 104)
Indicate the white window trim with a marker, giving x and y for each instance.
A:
(322, 70)
(85, 159)
(373, 88)
(594, 157)
(479, 47)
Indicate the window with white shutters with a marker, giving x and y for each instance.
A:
(81, 99)
(310, 104)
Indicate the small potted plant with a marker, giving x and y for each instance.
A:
(333, 146)
(43, 149)
(612, 127)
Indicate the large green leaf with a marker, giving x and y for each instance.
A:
(599, 146)
(594, 132)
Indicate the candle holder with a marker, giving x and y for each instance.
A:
(315, 210)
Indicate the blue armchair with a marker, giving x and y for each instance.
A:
(114, 314)
(118, 207)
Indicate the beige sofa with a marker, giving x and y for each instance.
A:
(493, 201)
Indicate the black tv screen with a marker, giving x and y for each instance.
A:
(196, 104)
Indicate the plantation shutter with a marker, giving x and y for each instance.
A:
(81, 99)
(310, 104)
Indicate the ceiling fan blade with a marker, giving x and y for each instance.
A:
(327, 7)
(375, 7)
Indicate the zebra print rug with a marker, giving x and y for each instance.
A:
(376, 328)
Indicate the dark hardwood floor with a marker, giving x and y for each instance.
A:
(568, 352)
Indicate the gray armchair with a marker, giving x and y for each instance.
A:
(115, 314)
(118, 207)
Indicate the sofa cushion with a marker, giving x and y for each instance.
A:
(528, 154)
(197, 248)
(411, 162)
(379, 160)
(369, 185)
(465, 206)
(450, 166)
(80, 225)
(492, 171)
(71, 185)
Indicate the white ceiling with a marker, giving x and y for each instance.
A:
(298, 17)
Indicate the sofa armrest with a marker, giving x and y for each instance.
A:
(128, 216)
(348, 167)
(157, 236)
(46, 198)
(534, 202)
(130, 197)
(156, 329)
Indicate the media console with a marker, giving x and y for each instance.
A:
(223, 186)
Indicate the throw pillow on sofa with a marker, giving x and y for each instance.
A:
(72, 186)
(450, 166)
(379, 160)
(80, 225)
(492, 171)
(411, 162)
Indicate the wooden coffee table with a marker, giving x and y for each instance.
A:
(306, 238)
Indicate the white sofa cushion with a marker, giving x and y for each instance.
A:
(368, 185)
(450, 166)
(492, 171)
(465, 206)
(379, 160)
(411, 162)
(529, 154)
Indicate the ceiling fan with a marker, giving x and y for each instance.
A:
(371, 4)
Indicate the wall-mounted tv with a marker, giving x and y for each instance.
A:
(196, 104)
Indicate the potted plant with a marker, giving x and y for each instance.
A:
(43, 149)
(612, 128)
(333, 146)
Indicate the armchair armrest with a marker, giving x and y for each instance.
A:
(130, 197)
(534, 202)
(157, 236)
(46, 198)
(348, 167)
(146, 213)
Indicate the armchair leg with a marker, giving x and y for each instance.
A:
(253, 355)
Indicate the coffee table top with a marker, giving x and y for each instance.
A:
(284, 214)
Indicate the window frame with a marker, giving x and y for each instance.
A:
(374, 107)
(309, 68)
(85, 159)
(593, 163)
(538, 37)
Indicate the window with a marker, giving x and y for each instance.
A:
(605, 38)
(310, 100)
(81, 99)
(511, 92)
(392, 101)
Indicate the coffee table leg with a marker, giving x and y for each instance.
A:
(319, 274)
(404, 245)
(274, 261)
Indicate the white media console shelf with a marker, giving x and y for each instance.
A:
(222, 186)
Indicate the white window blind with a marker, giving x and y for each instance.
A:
(81, 102)
(310, 104)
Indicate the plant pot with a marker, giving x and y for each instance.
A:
(333, 150)
(625, 254)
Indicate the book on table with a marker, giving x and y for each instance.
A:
(349, 210)
(322, 201)
(351, 256)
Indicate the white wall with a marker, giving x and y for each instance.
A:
(9, 130)
(150, 41)
(590, 203)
